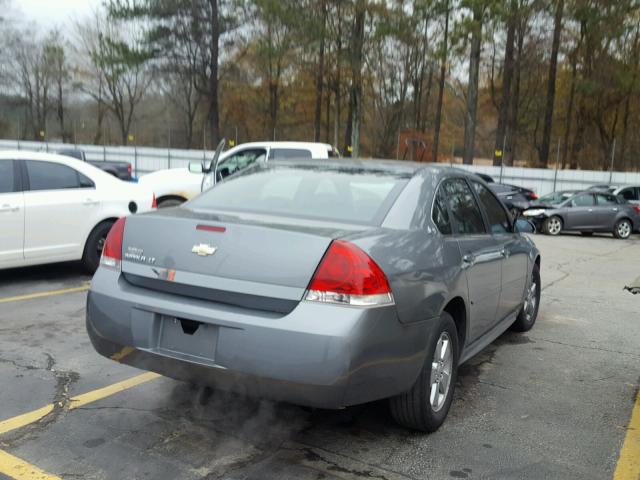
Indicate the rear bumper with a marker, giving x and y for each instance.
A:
(318, 355)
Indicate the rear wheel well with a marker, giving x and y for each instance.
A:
(159, 200)
(106, 220)
(537, 261)
(458, 310)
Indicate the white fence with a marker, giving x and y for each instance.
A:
(145, 160)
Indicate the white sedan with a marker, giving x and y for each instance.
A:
(55, 208)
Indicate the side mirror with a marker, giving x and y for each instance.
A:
(195, 167)
(524, 226)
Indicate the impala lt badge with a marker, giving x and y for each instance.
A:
(135, 254)
(203, 250)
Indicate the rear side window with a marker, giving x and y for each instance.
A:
(498, 220)
(51, 176)
(440, 214)
(629, 194)
(467, 219)
(334, 194)
(606, 199)
(7, 178)
(585, 200)
(284, 153)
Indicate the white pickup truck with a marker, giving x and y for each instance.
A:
(177, 185)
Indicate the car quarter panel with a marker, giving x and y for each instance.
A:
(423, 269)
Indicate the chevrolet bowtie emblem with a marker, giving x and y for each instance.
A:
(203, 250)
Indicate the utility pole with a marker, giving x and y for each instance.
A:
(613, 157)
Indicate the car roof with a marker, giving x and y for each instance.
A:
(276, 144)
(35, 155)
(82, 167)
(391, 166)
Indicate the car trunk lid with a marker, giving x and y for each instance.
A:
(240, 261)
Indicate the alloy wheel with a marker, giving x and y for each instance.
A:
(531, 300)
(554, 226)
(441, 370)
(624, 229)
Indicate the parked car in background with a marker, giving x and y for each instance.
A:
(121, 170)
(485, 177)
(587, 212)
(177, 185)
(553, 198)
(513, 197)
(55, 208)
(325, 284)
(631, 193)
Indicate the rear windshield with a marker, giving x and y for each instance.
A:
(334, 194)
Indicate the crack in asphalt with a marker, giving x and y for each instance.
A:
(20, 365)
(64, 381)
(586, 347)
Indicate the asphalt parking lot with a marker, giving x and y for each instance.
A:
(553, 403)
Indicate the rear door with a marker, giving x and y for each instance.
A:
(607, 209)
(11, 214)
(581, 213)
(59, 204)
(481, 255)
(514, 261)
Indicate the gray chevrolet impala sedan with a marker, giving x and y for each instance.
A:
(322, 284)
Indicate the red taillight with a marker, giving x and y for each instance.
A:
(533, 196)
(112, 250)
(637, 209)
(154, 204)
(129, 169)
(347, 275)
(211, 228)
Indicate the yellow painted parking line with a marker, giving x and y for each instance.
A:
(51, 293)
(628, 467)
(20, 470)
(101, 393)
(78, 401)
(25, 419)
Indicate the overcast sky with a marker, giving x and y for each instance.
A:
(49, 13)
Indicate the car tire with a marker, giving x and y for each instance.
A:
(529, 311)
(623, 229)
(552, 225)
(170, 202)
(418, 409)
(93, 247)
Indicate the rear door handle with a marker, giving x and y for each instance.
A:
(90, 201)
(590, 210)
(8, 208)
(468, 260)
(614, 209)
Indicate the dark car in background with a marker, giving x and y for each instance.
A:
(121, 170)
(587, 212)
(514, 198)
(320, 283)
